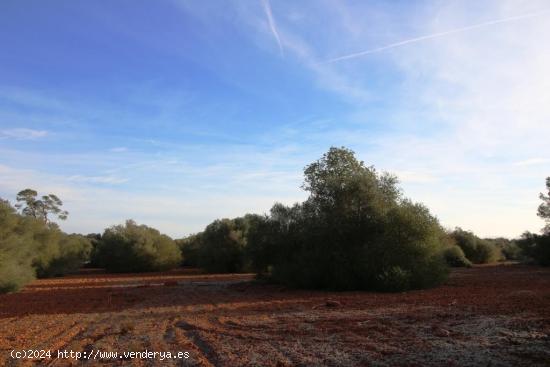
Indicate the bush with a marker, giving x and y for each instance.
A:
(29, 247)
(70, 255)
(454, 256)
(475, 249)
(355, 231)
(509, 249)
(95, 240)
(487, 253)
(16, 251)
(189, 247)
(536, 247)
(14, 274)
(136, 248)
(260, 239)
(221, 248)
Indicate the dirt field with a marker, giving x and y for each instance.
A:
(484, 316)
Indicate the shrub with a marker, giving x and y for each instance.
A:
(30, 247)
(536, 247)
(475, 249)
(16, 251)
(355, 231)
(71, 253)
(511, 251)
(487, 253)
(136, 248)
(14, 273)
(95, 240)
(189, 247)
(221, 248)
(455, 257)
(260, 239)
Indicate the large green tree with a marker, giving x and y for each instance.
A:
(40, 208)
(355, 231)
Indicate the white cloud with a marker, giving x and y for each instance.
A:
(468, 103)
(531, 162)
(98, 179)
(272, 26)
(22, 134)
(435, 35)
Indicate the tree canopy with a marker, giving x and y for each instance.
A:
(355, 231)
(30, 206)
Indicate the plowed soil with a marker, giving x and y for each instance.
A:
(483, 316)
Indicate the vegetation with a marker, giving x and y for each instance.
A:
(355, 231)
(40, 208)
(136, 248)
(189, 247)
(544, 207)
(509, 249)
(70, 254)
(454, 256)
(537, 247)
(31, 247)
(477, 250)
(222, 247)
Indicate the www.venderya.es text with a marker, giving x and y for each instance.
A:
(96, 354)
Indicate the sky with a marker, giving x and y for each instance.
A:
(175, 113)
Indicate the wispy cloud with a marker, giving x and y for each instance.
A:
(22, 134)
(113, 180)
(531, 162)
(436, 35)
(118, 149)
(272, 26)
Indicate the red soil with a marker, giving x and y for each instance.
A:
(492, 315)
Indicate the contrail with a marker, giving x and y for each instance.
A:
(267, 8)
(435, 35)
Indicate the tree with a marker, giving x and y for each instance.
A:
(355, 231)
(40, 208)
(136, 248)
(29, 248)
(222, 246)
(536, 246)
(544, 208)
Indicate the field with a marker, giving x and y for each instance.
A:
(483, 316)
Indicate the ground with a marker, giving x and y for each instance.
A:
(483, 316)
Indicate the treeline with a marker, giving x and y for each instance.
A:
(31, 247)
(356, 230)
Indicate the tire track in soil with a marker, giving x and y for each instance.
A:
(207, 354)
(73, 333)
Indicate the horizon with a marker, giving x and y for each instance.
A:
(179, 113)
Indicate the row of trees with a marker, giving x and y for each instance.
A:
(31, 245)
(356, 230)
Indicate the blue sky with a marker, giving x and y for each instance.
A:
(175, 113)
